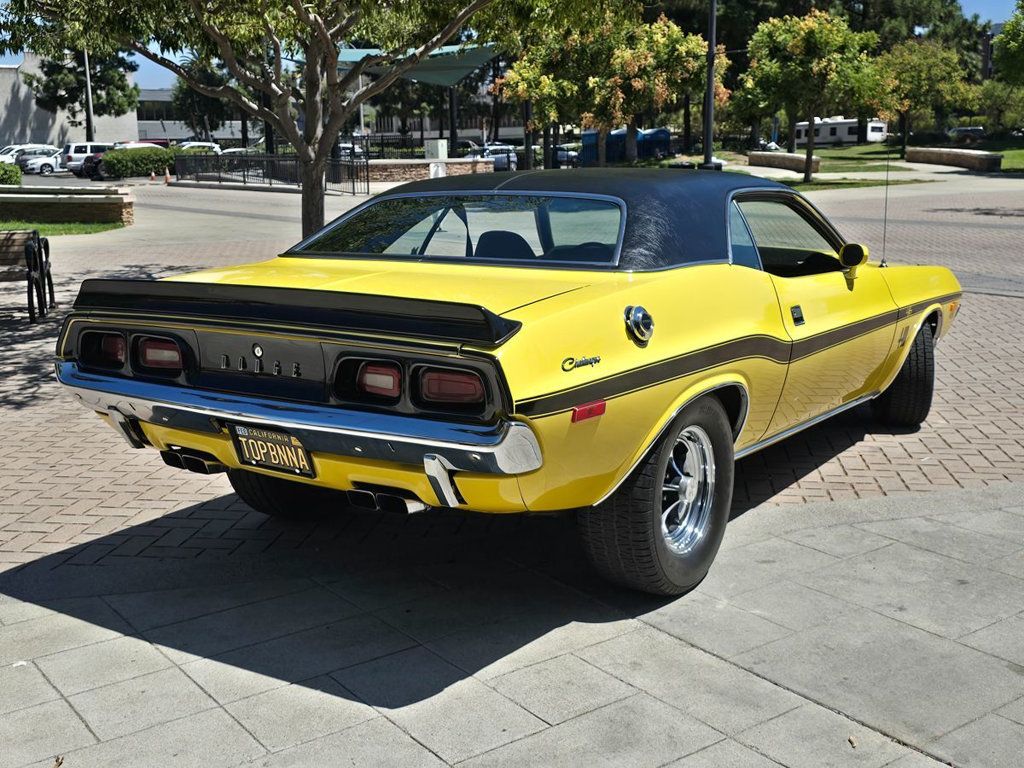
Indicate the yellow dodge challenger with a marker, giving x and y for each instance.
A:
(608, 342)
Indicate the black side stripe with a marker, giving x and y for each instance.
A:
(657, 373)
(764, 347)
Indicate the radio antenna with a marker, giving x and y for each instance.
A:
(885, 204)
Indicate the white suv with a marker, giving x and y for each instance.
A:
(75, 154)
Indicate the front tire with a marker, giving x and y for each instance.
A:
(45, 170)
(661, 529)
(908, 399)
(282, 498)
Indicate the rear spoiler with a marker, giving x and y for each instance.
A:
(330, 310)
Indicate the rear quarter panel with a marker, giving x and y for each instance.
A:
(695, 309)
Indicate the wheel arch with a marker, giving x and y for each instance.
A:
(731, 392)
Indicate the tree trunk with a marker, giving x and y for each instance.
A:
(904, 133)
(791, 132)
(495, 101)
(245, 129)
(631, 129)
(527, 136)
(809, 157)
(602, 147)
(687, 128)
(312, 175)
(547, 147)
(556, 137)
(862, 129)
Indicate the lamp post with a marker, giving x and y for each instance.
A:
(90, 128)
(709, 94)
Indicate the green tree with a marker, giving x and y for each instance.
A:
(608, 74)
(1009, 45)
(257, 44)
(203, 114)
(60, 85)
(921, 76)
(805, 64)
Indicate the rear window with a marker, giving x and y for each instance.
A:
(524, 229)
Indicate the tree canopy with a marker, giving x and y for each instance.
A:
(608, 74)
(262, 45)
(1009, 48)
(202, 113)
(921, 75)
(807, 64)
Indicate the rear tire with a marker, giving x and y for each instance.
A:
(661, 529)
(908, 399)
(45, 170)
(282, 498)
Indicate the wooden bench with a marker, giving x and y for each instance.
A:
(24, 255)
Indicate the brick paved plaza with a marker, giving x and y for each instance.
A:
(867, 607)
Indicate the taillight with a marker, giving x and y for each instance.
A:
(159, 354)
(380, 380)
(439, 385)
(103, 350)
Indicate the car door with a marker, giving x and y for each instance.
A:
(841, 328)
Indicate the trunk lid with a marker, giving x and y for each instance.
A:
(498, 289)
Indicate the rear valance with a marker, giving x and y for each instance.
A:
(416, 318)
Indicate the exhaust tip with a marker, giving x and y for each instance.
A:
(172, 459)
(362, 499)
(389, 502)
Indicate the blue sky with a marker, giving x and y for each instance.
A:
(152, 76)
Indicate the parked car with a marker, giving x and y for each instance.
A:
(208, 146)
(241, 151)
(75, 154)
(467, 148)
(967, 134)
(535, 343)
(562, 156)
(92, 166)
(505, 157)
(12, 152)
(42, 162)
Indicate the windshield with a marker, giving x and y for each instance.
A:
(526, 229)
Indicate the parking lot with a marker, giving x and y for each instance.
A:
(867, 607)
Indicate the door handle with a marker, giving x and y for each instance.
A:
(798, 314)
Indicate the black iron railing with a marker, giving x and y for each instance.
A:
(347, 174)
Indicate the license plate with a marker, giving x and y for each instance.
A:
(258, 447)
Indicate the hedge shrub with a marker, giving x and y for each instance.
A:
(123, 163)
(10, 174)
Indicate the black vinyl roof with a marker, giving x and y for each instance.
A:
(673, 216)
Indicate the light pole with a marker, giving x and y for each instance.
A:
(90, 130)
(709, 94)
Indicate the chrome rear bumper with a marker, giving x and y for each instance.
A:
(508, 448)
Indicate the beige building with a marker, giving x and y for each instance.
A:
(23, 122)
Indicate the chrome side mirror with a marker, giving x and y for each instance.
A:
(853, 256)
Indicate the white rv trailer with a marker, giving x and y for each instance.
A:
(840, 130)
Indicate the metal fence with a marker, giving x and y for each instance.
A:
(348, 175)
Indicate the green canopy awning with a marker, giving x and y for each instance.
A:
(445, 66)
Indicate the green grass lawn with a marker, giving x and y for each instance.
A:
(49, 229)
(817, 186)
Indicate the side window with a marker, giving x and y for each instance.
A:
(744, 252)
(832, 131)
(788, 244)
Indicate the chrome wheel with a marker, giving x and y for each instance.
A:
(688, 490)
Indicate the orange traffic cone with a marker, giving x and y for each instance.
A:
(152, 176)
(167, 175)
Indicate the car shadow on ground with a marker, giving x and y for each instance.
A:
(353, 595)
(348, 597)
